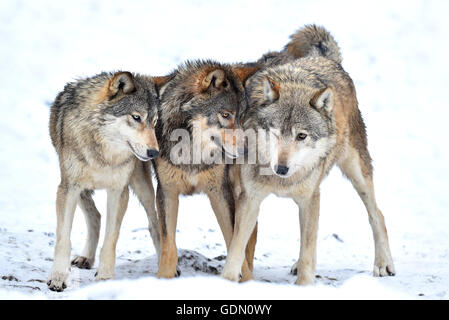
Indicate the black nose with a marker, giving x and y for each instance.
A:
(152, 153)
(281, 170)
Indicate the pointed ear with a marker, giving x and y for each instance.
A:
(270, 90)
(214, 78)
(244, 73)
(323, 100)
(159, 82)
(121, 81)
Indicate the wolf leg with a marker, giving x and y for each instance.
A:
(116, 207)
(247, 211)
(223, 208)
(65, 209)
(251, 248)
(236, 183)
(167, 207)
(93, 222)
(142, 185)
(360, 175)
(309, 210)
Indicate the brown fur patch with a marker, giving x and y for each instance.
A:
(243, 73)
(161, 81)
(275, 88)
(103, 94)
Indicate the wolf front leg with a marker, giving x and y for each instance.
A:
(116, 208)
(65, 208)
(143, 187)
(222, 202)
(246, 213)
(167, 202)
(309, 211)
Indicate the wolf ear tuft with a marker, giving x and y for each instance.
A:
(323, 100)
(243, 73)
(121, 81)
(270, 90)
(214, 78)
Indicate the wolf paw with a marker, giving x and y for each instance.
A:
(82, 262)
(384, 270)
(103, 275)
(294, 269)
(233, 276)
(169, 275)
(57, 281)
(305, 280)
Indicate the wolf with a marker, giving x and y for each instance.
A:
(202, 96)
(103, 131)
(310, 108)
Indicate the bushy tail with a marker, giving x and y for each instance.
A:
(313, 40)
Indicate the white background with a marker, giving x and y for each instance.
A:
(395, 52)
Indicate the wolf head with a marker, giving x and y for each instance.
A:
(206, 97)
(297, 111)
(129, 106)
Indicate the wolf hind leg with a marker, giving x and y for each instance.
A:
(142, 186)
(251, 248)
(93, 222)
(359, 171)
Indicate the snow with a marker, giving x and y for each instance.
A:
(395, 52)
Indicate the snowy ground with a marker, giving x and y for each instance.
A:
(394, 50)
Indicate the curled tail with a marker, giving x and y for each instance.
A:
(313, 40)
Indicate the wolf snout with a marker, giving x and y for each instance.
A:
(281, 170)
(152, 153)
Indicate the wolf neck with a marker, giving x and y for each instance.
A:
(103, 152)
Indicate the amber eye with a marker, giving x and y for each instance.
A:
(137, 118)
(301, 136)
(225, 115)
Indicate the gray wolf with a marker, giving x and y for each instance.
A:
(310, 107)
(103, 130)
(202, 96)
